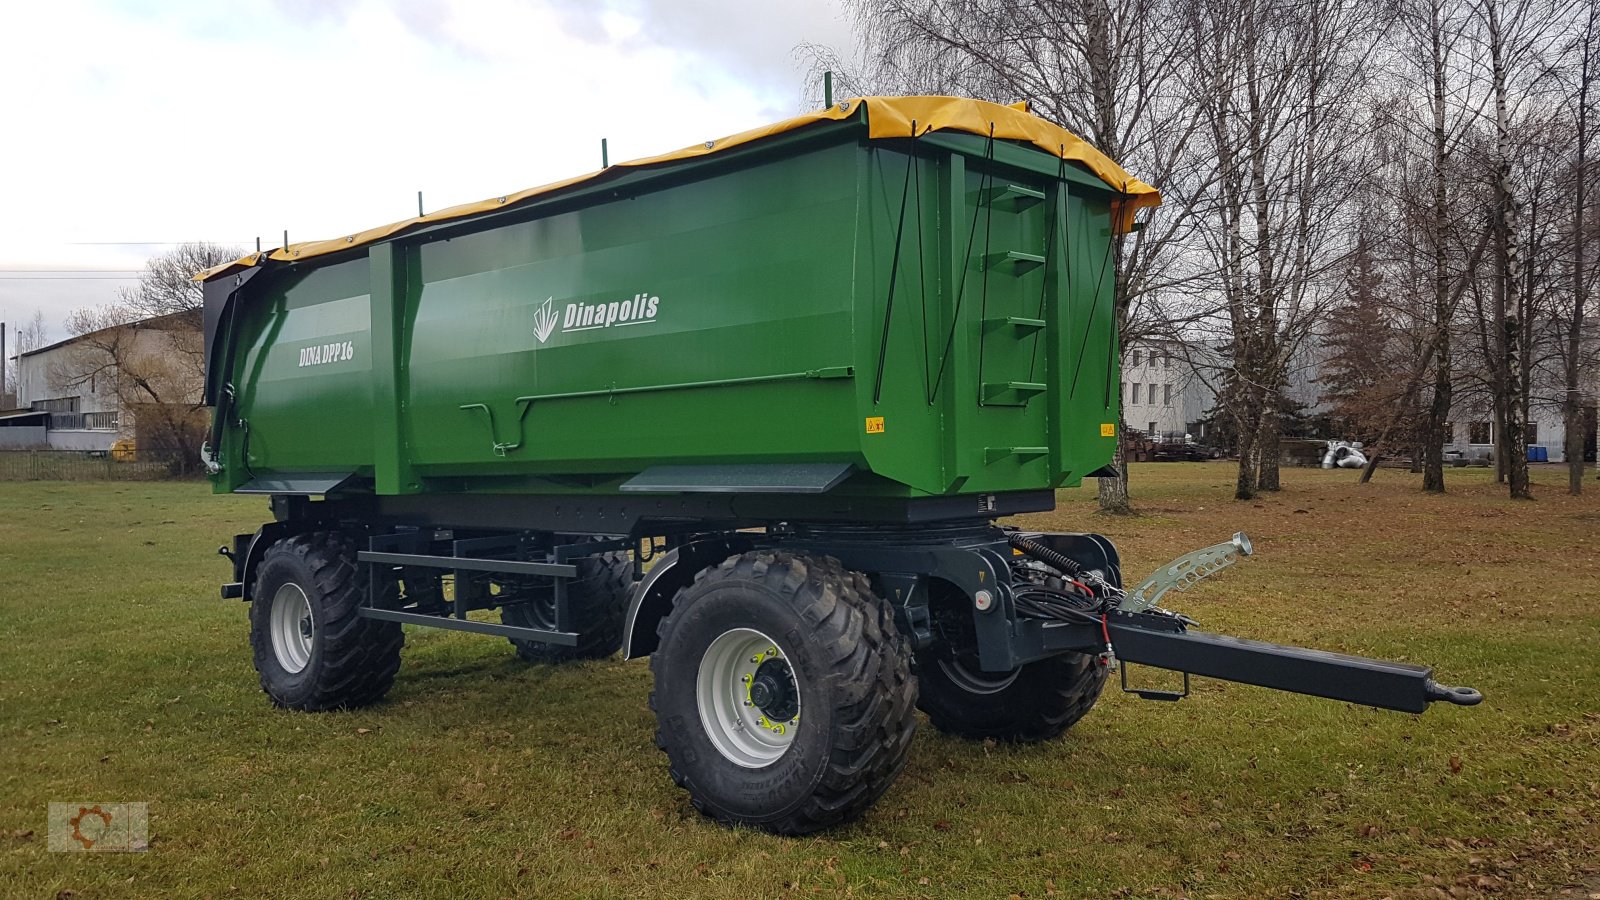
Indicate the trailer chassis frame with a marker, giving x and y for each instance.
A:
(907, 563)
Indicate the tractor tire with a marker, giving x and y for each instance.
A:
(599, 600)
(311, 648)
(1036, 702)
(783, 693)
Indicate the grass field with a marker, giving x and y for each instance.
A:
(123, 678)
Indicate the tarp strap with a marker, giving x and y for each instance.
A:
(966, 261)
(894, 266)
(1116, 321)
(1099, 280)
(922, 272)
(1049, 255)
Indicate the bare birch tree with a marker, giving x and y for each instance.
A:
(1431, 111)
(1581, 71)
(1280, 92)
(1513, 39)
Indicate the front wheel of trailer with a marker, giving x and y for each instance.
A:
(1035, 702)
(783, 694)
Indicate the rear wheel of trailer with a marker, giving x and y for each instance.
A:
(312, 648)
(783, 693)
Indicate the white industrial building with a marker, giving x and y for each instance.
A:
(1473, 429)
(1167, 389)
(66, 392)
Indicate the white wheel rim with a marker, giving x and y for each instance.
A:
(977, 682)
(292, 627)
(740, 729)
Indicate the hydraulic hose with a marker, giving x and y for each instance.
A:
(1058, 561)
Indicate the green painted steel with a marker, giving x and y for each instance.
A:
(936, 312)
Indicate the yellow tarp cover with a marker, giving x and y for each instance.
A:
(887, 117)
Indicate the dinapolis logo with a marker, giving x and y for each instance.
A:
(640, 310)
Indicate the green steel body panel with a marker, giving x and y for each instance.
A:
(935, 312)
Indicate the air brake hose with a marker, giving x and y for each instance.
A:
(1059, 561)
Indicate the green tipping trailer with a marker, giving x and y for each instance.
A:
(751, 408)
(917, 317)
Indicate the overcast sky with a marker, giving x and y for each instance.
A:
(132, 125)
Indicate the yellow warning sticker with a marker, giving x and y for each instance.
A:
(874, 424)
(1108, 429)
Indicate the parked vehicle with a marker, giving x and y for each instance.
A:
(754, 410)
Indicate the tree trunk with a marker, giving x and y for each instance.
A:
(1572, 412)
(1508, 278)
(1248, 423)
(1434, 435)
(1435, 432)
(1267, 451)
(1113, 492)
(1245, 487)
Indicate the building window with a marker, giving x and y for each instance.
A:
(1478, 433)
(1136, 357)
(1153, 432)
(1167, 360)
(1136, 393)
(1166, 394)
(1152, 395)
(59, 405)
(1532, 431)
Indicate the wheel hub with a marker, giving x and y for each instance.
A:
(291, 627)
(773, 690)
(749, 697)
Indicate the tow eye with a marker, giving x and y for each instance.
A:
(1460, 696)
